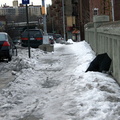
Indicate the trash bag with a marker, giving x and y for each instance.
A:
(101, 63)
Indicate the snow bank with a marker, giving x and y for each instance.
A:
(54, 86)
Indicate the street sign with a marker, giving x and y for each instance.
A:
(25, 1)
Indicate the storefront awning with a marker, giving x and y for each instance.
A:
(75, 32)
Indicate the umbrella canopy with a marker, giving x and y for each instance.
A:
(101, 63)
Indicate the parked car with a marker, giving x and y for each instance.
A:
(6, 46)
(35, 37)
(58, 38)
(51, 38)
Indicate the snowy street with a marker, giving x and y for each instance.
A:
(55, 86)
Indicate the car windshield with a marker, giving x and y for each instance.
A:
(2, 37)
(58, 35)
(34, 33)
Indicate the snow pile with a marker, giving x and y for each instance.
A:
(54, 86)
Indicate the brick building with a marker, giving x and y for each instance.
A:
(104, 7)
(55, 17)
(100, 7)
(117, 10)
(74, 17)
(17, 13)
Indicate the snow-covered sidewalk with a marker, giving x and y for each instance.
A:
(54, 86)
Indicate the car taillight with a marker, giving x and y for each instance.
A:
(24, 38)
(38, 38)
(6, 43)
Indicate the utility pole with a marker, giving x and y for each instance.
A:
(63, 10)
(46, 43)
(81, 20)
(45, 36)
(44, 17)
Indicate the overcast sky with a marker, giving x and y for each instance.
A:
(35, 2)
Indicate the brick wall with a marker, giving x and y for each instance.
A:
(103, 7)
(117, 9)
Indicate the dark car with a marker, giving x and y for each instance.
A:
(35, 37)
(6, 46)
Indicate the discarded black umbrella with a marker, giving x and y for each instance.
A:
(101, 63)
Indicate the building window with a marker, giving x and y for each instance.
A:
(95, 11)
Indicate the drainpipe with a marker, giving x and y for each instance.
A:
(112, 4)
